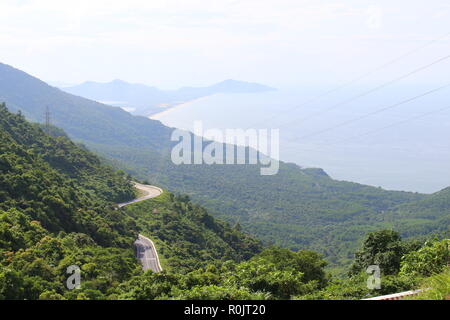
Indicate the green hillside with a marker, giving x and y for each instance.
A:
(424, 216)
(188, 237)
(297, 208)
(57, 208)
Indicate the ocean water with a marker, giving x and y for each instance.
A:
(405, 146)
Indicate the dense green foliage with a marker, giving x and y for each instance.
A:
(430, 259)
(385, 249)
(436, 287)
(282, 274)
(264, 276)
(424, 216)
(57, 209)
(187, 237)
(58, 184)
(404, 266)
(297, 208)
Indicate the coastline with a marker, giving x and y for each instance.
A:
(159, 115)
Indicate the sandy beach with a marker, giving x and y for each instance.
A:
(159, 115)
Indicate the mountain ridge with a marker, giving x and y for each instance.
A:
(146, 100)
(297, 208)
(58, 210)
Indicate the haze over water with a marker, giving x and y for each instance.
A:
(413, 155)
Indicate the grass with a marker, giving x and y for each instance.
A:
(436, 287)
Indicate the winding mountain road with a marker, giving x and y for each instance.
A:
(146, 253)
(149, 192)
(145, 248)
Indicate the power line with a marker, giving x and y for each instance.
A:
(423, 115)
(392, 125)
(365, 75)
(375, 112)
(371, 90)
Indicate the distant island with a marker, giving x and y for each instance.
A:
(144, 100)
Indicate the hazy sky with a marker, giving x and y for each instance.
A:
(173, 43)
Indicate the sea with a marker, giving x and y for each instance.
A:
(396, 138)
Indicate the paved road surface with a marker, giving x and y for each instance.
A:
(149, 192)
(146, 253)
(145, 249)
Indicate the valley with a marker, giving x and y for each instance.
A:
(308, 210)
(221, 159)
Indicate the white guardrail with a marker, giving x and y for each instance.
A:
(397, 296)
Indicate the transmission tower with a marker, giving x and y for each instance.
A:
(47, 120)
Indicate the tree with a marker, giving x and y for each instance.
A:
(310, 263)
(383, 248)
(51, 295)
(431, 259)
(11, 285)
(262, 276)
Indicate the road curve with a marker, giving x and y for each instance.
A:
(150, 192)
(145, 248)
(146, 253)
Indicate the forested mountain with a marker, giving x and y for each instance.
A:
(297, 208)
(188, 237)
(144, 100)
(82, 119)
(57, 208)
(60, 185)
(424, 216)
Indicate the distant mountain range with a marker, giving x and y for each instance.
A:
(296, 208)
(140, 99)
